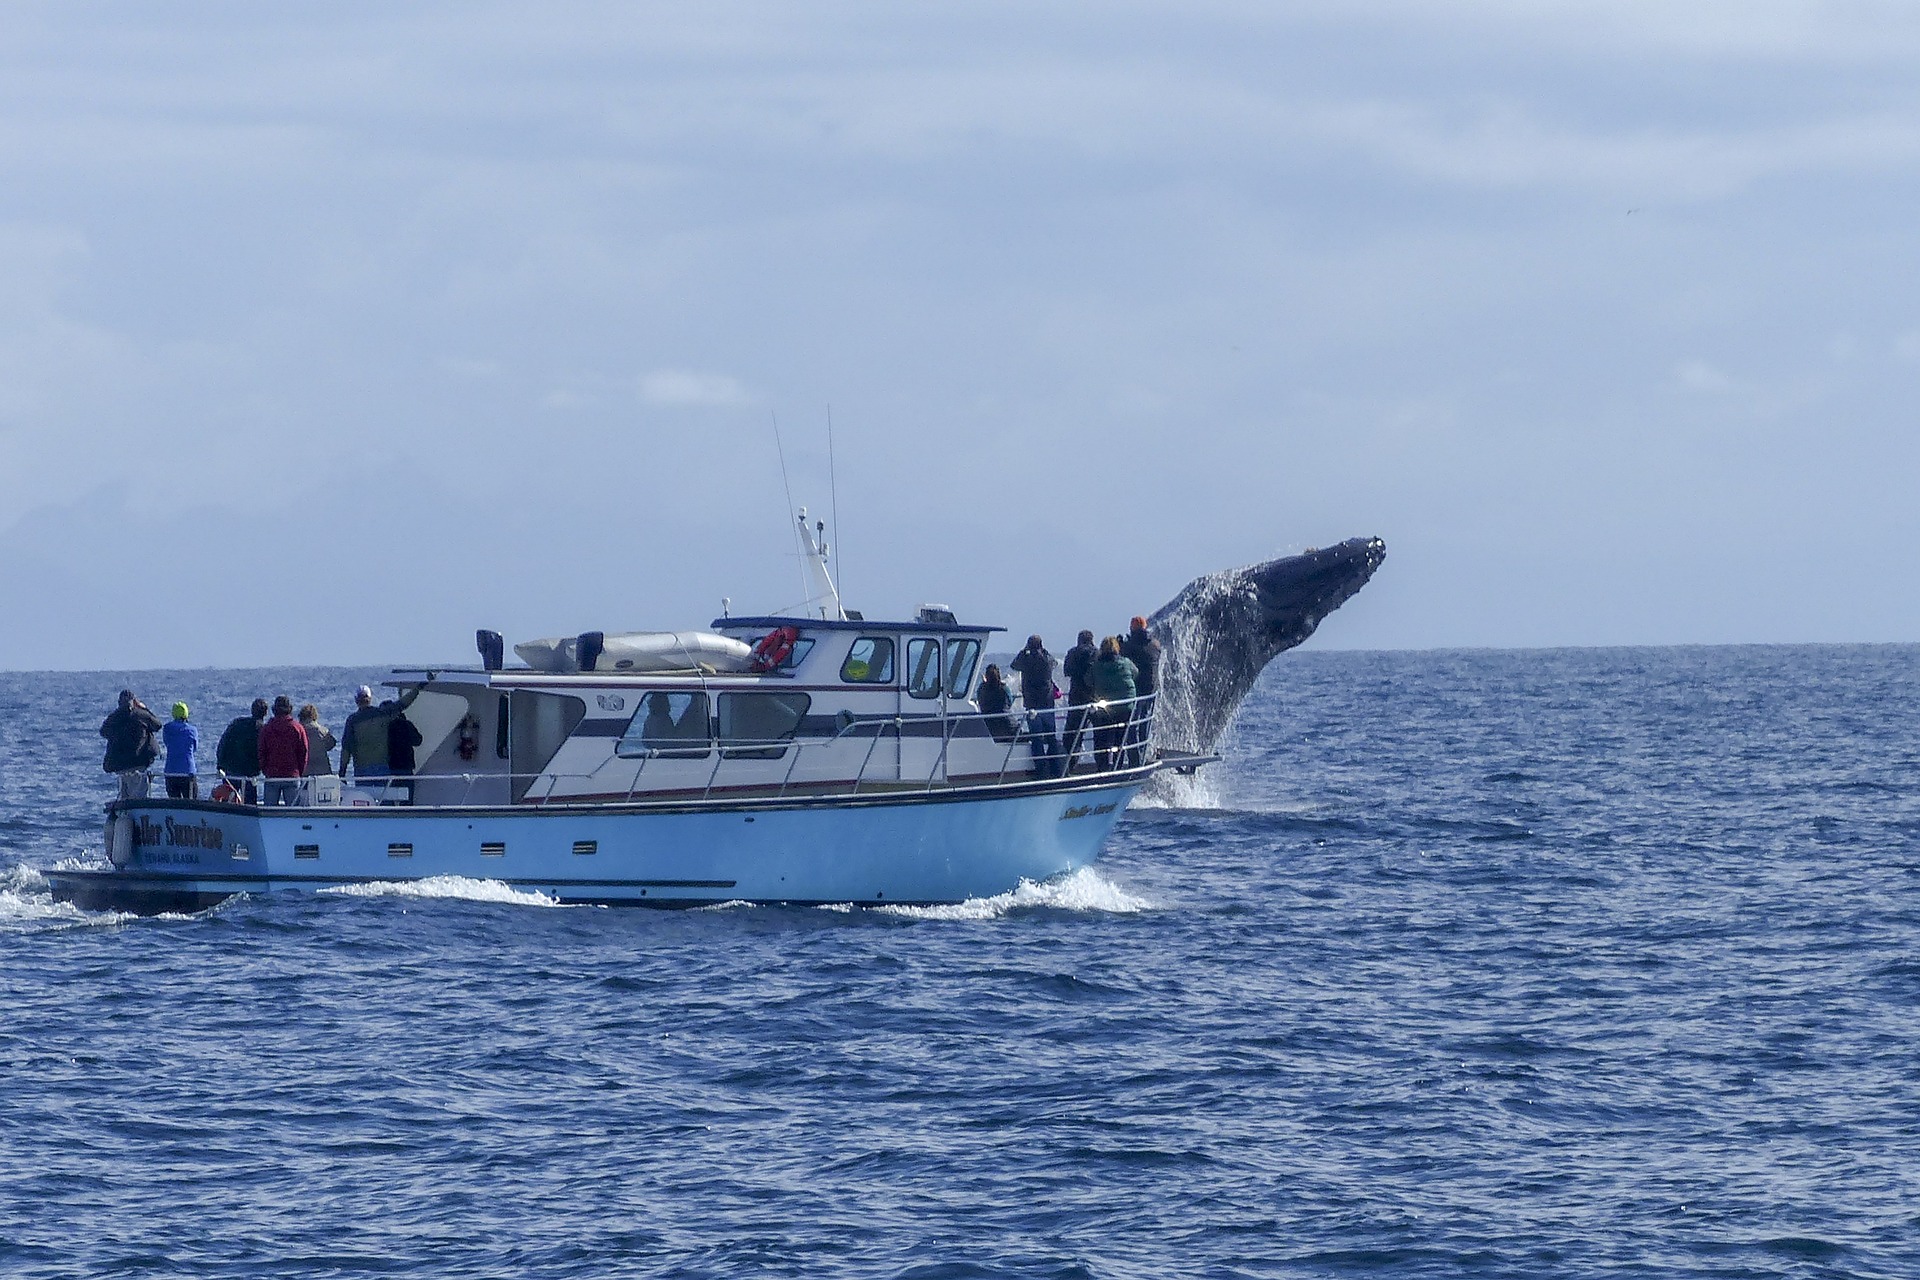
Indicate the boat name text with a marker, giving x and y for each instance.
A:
(184, 835)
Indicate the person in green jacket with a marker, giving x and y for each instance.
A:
(1113, 679)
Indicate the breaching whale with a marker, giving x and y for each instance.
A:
(1222, 630)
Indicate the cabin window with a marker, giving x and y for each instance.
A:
(667, 724)
(795, 656)
(757, 726)
(961, 657)
(540, 724)
(500, 738)
(870, 661)
(923, 668)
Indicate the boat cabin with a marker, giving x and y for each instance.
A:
(824, 706)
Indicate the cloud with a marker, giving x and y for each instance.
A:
(681, 387)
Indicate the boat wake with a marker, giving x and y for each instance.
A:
(27, 905)
(459, 887)
(1083, 890)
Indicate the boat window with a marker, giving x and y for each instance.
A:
(667, 724)
(757, 725)
(961, 655)
(801, 648)
(870, 661)
(923, 668)
(500, 739)
(538, 724)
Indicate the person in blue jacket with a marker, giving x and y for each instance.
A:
(183, 744)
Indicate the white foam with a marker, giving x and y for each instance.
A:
(447, 887)
(1083, 890)
(1168, 790)
(23, 880)
(26, 902)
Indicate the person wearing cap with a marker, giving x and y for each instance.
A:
(1143, 651)
(183, 745)
(283, 754)
(363, 741)
(1035, 666)
(238, 755)
(1078, 669)
(129, 730)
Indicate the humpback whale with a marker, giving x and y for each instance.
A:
(1222, 630)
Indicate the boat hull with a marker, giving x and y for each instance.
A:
(178, 855)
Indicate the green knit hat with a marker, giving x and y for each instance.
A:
(179, 711)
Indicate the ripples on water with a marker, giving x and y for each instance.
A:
(1531, 964)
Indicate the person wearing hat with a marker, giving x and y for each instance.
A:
(183, 745)
(1143, 651)
(363, 741)
(283, 754)
(129, 730)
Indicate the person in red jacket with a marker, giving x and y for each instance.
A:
(283, 753)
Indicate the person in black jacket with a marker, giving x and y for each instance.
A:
(238, 755)
(1037, 692)
(1141, 649)
(402, 737)
(129, 730)
(1078, 668)
(995, 699)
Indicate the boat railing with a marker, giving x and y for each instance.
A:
(1035, 742)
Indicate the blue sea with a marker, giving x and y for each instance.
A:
(1558, 964)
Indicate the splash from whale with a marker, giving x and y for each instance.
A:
(1222, 630)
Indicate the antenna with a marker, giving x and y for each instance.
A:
(799, 544)
(833, 488)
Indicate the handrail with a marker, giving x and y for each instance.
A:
(1018, 724)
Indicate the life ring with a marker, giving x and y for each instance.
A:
(469, 737)
(774, 648)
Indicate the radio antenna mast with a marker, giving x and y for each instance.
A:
(799, 545)
(833, 490)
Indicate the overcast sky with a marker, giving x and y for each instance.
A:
(329, 332)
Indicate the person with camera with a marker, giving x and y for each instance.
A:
(129, 730)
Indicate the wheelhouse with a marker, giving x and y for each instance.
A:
(842, 705)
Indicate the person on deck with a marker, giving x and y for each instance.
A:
(320, 742)
(1143, 651)
(995, 699)
(1038, 693)
(238, 755)
(283, 754)
(363, 741)
(1078, 668)
(402, 737)
(129, 730)
(1113, 690)
(183, 745)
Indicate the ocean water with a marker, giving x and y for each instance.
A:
(1572, 963)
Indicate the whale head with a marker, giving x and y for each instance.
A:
(1220, 632)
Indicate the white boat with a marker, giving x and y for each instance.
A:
(846, 762)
